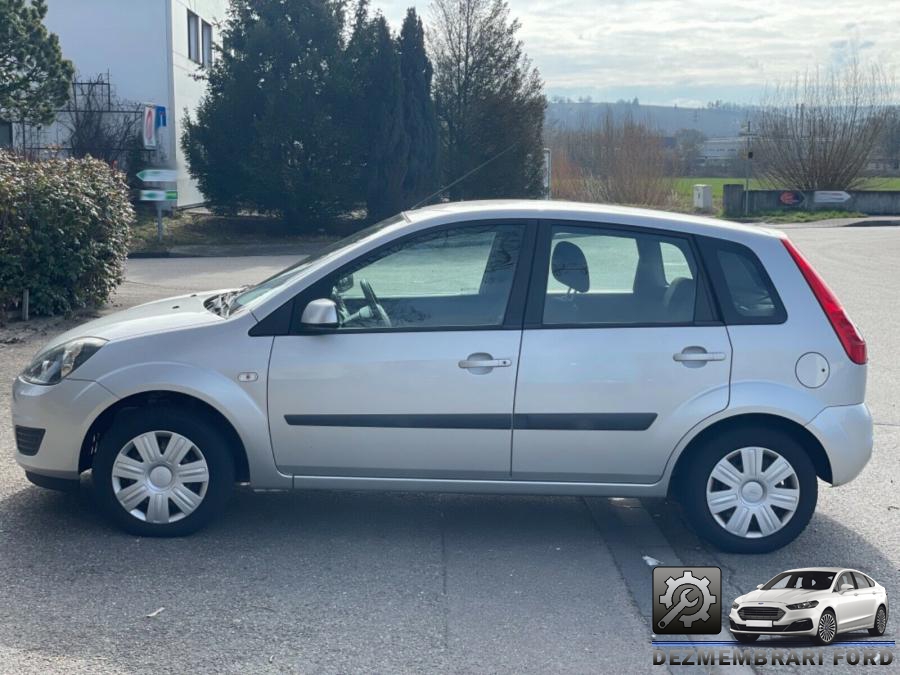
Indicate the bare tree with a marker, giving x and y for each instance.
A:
(98, 124)
(620, 161)
(818, 131)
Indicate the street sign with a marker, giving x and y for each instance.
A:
(148, 128)
(159, 195)
(158, 175)
(830, 196)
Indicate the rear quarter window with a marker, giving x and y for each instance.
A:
(745, 293)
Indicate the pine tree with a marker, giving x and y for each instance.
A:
(34, 77)
(272, 132)
(383, 141)
(419, 116)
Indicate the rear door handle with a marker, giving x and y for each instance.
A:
(699, 356)
(483, 362)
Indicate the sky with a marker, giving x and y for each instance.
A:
(691, 52)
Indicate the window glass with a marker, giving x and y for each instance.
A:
(207, 44)
(846, 578)
(450, 278)
(748, 291)
(600, 276)
(807, 579)
(193, 25)
(861, 580)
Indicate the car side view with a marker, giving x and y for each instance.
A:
(821, 602)
(508, 347)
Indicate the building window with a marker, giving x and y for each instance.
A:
(6, 134)
(193, 24)
(207, 44)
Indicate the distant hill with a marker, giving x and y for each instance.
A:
(714, 122)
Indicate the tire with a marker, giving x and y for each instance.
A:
(880, 624)
(182, 480)
(746, 638)
(826, 629)
(777, 524)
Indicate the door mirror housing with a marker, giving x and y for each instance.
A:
(759, 587)
(846, 587)
(320, 313)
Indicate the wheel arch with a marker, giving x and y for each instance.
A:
(797, 431)
(158, 398)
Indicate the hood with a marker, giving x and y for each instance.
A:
(787, 596)
(181, 311)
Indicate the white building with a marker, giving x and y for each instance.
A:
(151, 49)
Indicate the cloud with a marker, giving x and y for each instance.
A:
(668, 50)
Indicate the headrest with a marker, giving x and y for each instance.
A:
(569, 267)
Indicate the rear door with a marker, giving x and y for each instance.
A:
(419, 383)
(621, 355)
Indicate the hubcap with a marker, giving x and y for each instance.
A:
(826, 627)
(881, 620)
(753, 492)
(160, 477)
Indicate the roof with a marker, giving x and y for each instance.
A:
(833, 570)
(606, 213)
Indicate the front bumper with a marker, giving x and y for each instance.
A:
(64, 412)
(845, 431)
(792, 622)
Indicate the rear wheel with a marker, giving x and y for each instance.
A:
(749, 490)
(880, 622)
(746, 638)
(162, 472)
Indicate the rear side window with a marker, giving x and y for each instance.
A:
(745, 292)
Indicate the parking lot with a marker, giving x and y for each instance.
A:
(353, 582)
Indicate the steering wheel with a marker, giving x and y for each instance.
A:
(372, 301)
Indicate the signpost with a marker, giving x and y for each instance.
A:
(548, 167)
(163, 197)
(148, 128)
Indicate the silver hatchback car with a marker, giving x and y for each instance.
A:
(508, 347)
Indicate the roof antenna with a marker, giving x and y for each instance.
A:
(463, 177)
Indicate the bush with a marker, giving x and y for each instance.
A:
(63, 232)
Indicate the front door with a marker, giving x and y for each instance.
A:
(418, 378)
(619, 356)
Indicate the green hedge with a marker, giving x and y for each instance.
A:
(64, 228)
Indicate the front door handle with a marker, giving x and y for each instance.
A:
(481, 362)
(698, 354)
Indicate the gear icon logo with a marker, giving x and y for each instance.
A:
(687, 600)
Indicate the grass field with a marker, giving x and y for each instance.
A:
(685, 186)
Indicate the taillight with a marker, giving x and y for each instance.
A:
(850, 338)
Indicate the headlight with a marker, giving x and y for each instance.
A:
(804, 605)
(57, 363)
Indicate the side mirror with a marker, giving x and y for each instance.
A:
(846, 587)
(320, 314)
(759, 587)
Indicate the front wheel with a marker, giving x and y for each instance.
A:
(746, 638)
(827, 629)
(162, 472)
(750, 490)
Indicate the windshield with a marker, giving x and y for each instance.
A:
(806, 579)
(268, 286)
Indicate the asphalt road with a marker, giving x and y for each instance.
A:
(345, 582)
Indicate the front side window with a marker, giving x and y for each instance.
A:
(598, 276)
(862, 581)
(459, 277)
(845, 578)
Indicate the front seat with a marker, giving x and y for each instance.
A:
(570, 268)
(679, 300)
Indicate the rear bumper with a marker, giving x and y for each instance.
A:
(846, 434)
